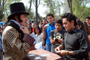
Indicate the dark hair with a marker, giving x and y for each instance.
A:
(80, 23)
(39, 29)
(70, 17)
(29, 27)
(40, 21)
(59, 21)
(50, 15)
(88, 17)
(0, 27)
(18, 16)
(44, 18)
(86, 28)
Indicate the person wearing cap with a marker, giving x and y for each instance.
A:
(16, 41)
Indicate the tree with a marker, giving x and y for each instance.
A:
(80, 9)
(70, 5)
(31, 16)
(30, 6)
(53, 6)
(1, 14)
(4, 7)
(2, 3)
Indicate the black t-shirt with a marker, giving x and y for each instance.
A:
(57, 35)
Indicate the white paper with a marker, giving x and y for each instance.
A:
(31, 55)
(37, 58)
(43, 55)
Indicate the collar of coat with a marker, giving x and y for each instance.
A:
(13, 24)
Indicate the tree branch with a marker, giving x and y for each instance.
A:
(3, 6)
(30, 6)
(0, 4)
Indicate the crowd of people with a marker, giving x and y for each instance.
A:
(68, 36)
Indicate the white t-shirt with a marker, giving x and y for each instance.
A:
(33, 35)
(38, 38)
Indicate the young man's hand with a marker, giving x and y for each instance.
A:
(57, 49)
(63, 52)
(45, 27)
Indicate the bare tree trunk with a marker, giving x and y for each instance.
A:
(3, 5)
(4, 1)
(30, 6)
(0, 4)
(70, 5)
(0, 20)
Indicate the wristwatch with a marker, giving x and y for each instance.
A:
(56, 40)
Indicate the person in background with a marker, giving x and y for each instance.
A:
(47, 29)
(38, 38)
(1, 31)
(56, 36)
(75, 42)
(83, 26)
(2, 26)
(44, 22)
(32, 35)
(28, 24)
(86, 28)
(34, 20)
(80, 24)
(40, 24)
(88, 21)
(28, 21)
(16, 41)
(33, 27)
(30, 32)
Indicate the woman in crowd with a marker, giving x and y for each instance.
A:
(30, 32)
(86, 28)
(33, 27)
(83, 26)
(38, 38)
(33, 35)
(40, 24)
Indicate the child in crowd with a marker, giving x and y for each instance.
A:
(33, 35)
(33, 27)
(38, 38)
(56, 36)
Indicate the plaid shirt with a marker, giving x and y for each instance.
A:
(13, 48)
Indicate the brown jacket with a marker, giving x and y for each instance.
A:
(13, 47)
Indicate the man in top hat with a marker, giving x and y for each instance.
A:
(16, 40)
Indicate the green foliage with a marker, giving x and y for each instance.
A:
(1, 14)
(31, 16)
(6, 10)
(53, 5)
(80, 9)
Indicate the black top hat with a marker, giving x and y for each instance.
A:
(17, 8)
